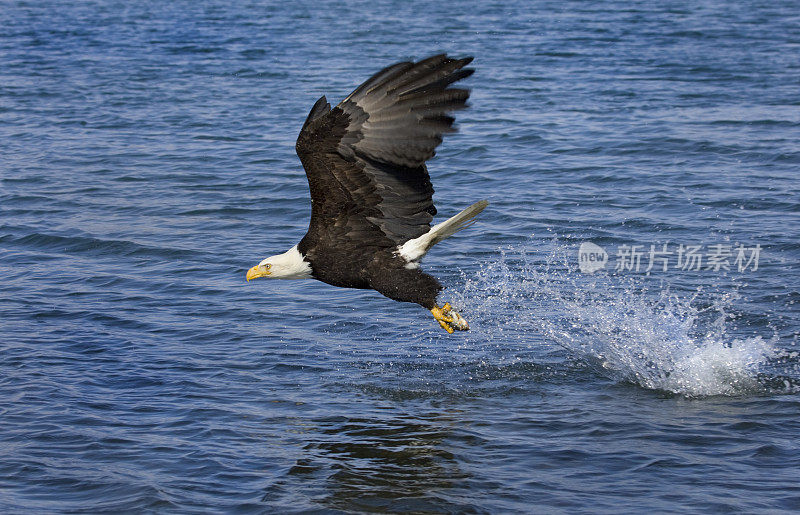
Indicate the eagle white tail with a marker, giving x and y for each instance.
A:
(413, 250)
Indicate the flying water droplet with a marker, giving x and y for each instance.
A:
(620, 325)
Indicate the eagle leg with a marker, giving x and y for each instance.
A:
(449, 319)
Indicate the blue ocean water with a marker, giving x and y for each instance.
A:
(147, 161)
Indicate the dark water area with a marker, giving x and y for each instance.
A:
(147, 161)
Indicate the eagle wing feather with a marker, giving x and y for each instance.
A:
(365, 158)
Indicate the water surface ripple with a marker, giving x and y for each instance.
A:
(148, 161)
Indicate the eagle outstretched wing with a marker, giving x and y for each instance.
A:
(365, 158)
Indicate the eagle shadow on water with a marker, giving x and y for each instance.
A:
(371, 195)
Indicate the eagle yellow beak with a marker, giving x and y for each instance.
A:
(257, 271)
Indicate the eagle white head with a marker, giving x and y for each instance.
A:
(289, 265)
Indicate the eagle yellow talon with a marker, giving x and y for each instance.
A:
(440, 314)
(449, 319)
(446, 326)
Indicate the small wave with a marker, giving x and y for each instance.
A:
(620, 327)
(88, 245)
(194, 49)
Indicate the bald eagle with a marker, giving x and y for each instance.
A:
(371, 195)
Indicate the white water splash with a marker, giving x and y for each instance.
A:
(628, 332)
